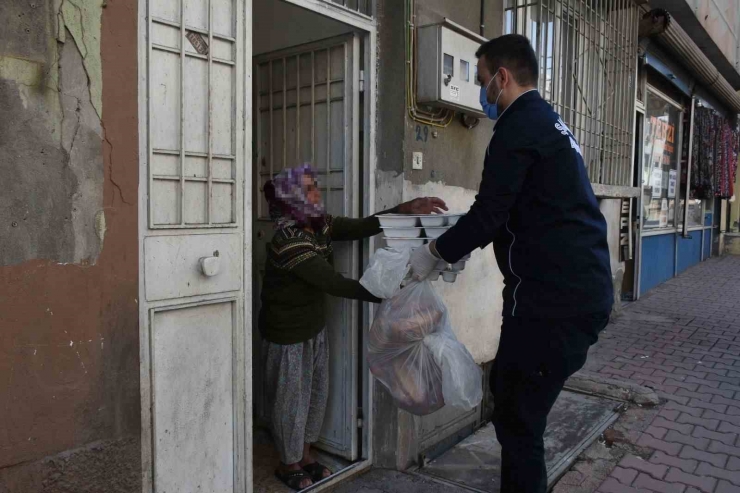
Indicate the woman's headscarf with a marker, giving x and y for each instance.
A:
(289, 205)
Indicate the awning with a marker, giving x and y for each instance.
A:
(675, 40)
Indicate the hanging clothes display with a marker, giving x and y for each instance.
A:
(714, 155)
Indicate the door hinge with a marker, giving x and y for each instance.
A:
(362, 81)
(360, 417)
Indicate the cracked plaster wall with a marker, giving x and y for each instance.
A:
(51, 152)
(69, 340)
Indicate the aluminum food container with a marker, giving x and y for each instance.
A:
(442, 265)
(400, 243)
(433, 220)
(434, 276)
(398, 221)
(412, 232)
(458, 266)
(449, 276)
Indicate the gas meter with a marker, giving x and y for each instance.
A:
(447, 74)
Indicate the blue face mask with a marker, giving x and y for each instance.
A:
(491, 110)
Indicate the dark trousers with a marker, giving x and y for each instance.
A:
(535, 358)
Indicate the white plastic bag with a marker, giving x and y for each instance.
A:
(414, 353)
(386, 270)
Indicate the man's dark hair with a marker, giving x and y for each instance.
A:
(513, 52)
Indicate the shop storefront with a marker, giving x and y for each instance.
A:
(686, 157)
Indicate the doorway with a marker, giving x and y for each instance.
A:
(307, 109)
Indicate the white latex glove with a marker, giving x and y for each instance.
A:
(423, 262)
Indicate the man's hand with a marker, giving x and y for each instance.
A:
(423, 262)
(423, 205)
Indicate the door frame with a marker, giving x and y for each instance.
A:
(367, 31)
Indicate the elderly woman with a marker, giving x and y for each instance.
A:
(292, 319)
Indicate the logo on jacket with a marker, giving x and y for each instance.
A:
(564, 130)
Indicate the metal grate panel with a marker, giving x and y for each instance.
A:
(192, 60)
(586, 51)
(362, 7)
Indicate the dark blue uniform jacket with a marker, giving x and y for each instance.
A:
(537, 207)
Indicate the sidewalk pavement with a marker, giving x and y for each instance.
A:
(683, 340)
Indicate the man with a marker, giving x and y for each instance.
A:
(537, 207)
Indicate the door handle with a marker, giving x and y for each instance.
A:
(210, 266)
(260, 234)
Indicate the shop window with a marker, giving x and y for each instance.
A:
(660, 181)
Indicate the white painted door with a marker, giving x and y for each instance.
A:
(193, 378)
(307, 110)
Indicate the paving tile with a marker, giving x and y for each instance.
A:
(669, 414)
(695, 395)
(686, 465)
(710, 424)
(653, 443)
(721, 448)
(693, 387)
(697, 442)
(718, 399)
(714, 458)
(611, 485)
(693, 411)
(705, 469)
(729, 386)
(624, 475)
(649, 483)
(735, 420)
(656, 432)
(720, 408)
(664, 423)
(726, 438)
(705, 484)
(658, 471)
(726, 487)
(733, 464)
(727, 394)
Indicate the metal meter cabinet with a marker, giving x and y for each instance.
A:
(447, 68)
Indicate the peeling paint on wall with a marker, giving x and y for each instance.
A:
(51, 160)
(82, 19)
(474, 300)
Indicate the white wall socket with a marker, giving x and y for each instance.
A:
(416, 162)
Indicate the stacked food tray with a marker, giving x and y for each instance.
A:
(412, 231)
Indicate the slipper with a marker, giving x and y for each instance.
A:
(293, 479)
(316, 470)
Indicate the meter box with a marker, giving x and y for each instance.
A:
(447, 73)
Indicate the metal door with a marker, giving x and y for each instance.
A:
(307, 110)
(193, 381)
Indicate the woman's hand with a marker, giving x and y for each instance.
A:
(423, 205)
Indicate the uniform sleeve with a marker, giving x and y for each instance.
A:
(319, 273)
(504, 173)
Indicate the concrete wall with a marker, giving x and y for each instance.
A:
(69, 362)
(452, 167)
(721, 20)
